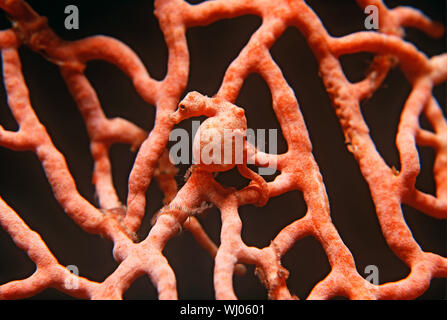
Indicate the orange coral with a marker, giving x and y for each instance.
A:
(298, 168)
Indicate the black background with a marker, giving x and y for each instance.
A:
(24, 187)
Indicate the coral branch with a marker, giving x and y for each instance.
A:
(297, 167)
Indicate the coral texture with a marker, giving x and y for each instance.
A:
(389, 188)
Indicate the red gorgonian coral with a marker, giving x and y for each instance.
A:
(390, 188)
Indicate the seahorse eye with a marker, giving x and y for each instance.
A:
(182, 107)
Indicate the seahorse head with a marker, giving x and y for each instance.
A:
(193, 105)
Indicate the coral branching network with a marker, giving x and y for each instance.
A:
(355, 213)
